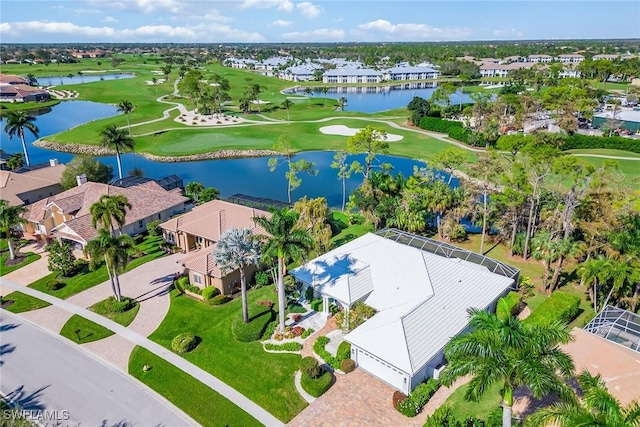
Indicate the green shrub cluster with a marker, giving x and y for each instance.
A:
(294, 307)
(184, 343)
(560, 306)
(219, 300)
(194, 289)
(210, 292)
(153, 228)
(112, 305)
(454, 130)
(308, 293)
(344, 351)
(259, 319)
(316, 387)
(418, 398)
(579, 141)
(54, 285)
(287, 346)
(316, 304)
(509, 305)
(261, 278)
(307, 333)
(309, 366)
(181, 284)
(444, 417)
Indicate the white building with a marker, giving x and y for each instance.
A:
(570, 58)
(352, 75)
(411, 73)
(489, 69)
(421, 290)
(540, 59)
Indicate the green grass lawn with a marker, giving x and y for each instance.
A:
(196, 399)
(23, 302)
(606, 152)
(124, 318)
(87, 331)
(265, 378)
(150, 246)
(463, 408)
(347, 232)
(6, 269)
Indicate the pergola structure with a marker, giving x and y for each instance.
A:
(617, 325)
(262, 203)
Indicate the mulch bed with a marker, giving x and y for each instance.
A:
(18, 260)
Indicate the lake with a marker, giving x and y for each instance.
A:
(248, 176)
(77, 79)
(373, 99)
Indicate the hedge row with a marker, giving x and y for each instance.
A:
(316, 387)
(578, 141)
(419, 397)
(454, 130)
(560, 306)
(509, 305)
(287, 346)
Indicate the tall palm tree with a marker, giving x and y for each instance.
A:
(594, 273)
(126, 107)
(324, 91)
(17, 122)
(282, 242)
(566, 249)
(342, 102)
(510, 353)
(154, 80)
(115, 252)
(308, 92)
(546, 249)
(596, 408)
(109, 210)
(236, 250)
(116, 139)
(10, 216)
(194, 189)
(287, 104)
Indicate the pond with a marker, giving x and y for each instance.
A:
(74, 79)
(373, 99)
(249, 176)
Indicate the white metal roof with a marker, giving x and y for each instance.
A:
(422, 298)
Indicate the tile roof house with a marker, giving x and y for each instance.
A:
(17, 89)
(196, 233)
(421, 290)
(31, 186)
(67, 215)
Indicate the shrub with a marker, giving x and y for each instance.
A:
(219, 300)
(560, 306)
(297, 331)
(442, 417)
(182, 283)
(423, 392)
(261, 278)
(194, 289)
(316, 387)
(578, 141)
(407, 408)
(309, 366)
(294, 307)
(153, 228)
(307, 333)
(454, 130)
(296, 317)
(398, 397)
(347, 365)
(288, 346)
(316, 304)
(525, 286)
(54, 285)
(125, 304)
(61, 258)
(259, 319)
(318, 348)
(210, 292)
(509, 305)
(344, 351)
(308, 293)
(184, 343)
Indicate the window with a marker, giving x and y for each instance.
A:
(170, 238)
(140, 224)
(198, 240)
(159, 217)
(197, 279)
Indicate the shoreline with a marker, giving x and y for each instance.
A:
(93, 150)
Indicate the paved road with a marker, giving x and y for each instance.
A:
(42, 371)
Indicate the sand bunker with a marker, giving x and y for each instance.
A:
(343, 130)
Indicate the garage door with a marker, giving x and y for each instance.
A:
(382, 370)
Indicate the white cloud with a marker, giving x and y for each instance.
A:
(308, 9)
(280, 23)
(321, 34)
(109, 19)
(507, 33)
(66, 31)
(281, 5)
(410, 32)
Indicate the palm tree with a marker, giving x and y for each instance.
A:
(596, 408)
(194, 189)
(154, 80)
(282, 242)
(126, 107)
(236, 250)
(109, 210)
(545, 249)
(115, 252)
(308, 92)
(567, 248)
(80, 74)
(324, 91)
(342, 102)
(593, 273)
(10, 216)
(17, 122)
(166, 69)
(116, 139)
(510, 353)
(287, 104)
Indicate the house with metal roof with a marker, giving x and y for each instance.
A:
(421, 290)
(412, 73)
(352, 75)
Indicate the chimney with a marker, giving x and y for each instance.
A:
(81, 179)
(53, 162)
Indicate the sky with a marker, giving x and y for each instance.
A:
(286, 21)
